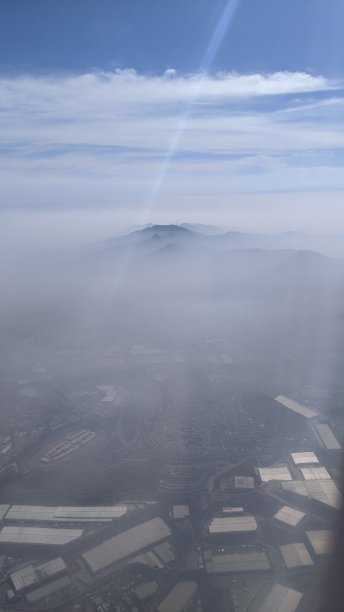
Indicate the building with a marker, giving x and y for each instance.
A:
(180, 512)
(232, 510)
(165, 552)
(289, 516)
(65, 514)
(274, 473)
(38, 535)
(48, 590)
(180, 597)
(327, 437)
(146, 589)
(324, 491)
(315, 473)
(281, 599)
(296, 555)
(126, 543)
(320, 541)
(3, 510)
(159, 556)
(297, 408)
(232, 524)
(304, 458)
(236, 562)
(30, 575)
(244, 482)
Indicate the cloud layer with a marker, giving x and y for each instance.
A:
(170, 143)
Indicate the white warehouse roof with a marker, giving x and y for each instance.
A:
(228, 524)
(65, 513)
(277, 473)
(304, 458)
(295, 555)
(126, 543)
(320, 541)
(315, 473)
(308, 413)
(281, 599)
(29, 575)
(324, 491)
(38, 535)
(289, 515)
(327, 436)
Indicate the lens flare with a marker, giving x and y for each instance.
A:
(213, 47)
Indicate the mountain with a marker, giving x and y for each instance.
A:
(163, 281)
(207, 230)
(211, 238)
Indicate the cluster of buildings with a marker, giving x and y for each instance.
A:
(273, 527)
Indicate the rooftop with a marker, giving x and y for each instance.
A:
(324, 491)
(3, 509)
(327, 436)
(38, 535)
(295, 555)
(277, 473)
(48, 589)
(180, 511)
(178, 597)
(237, 562)
(29, 575)
(304, 458)
(126, 543)
(315, 473)
(289, 515)
(320, 541)
(281, 599)
(65, 513)
(244, 482)
(225, 524)
(308, 413)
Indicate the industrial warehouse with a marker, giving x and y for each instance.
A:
(63, 514)
(126, 544)
(232, 524)
(266, 524)
(289, 516)
(44, 536)
(281, 599)
(274, 473)
(304, 458)
(180, 597)
(299, 409)
(295, 555)
(323, 491)
(236, 562)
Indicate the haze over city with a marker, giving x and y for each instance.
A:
(171, 314)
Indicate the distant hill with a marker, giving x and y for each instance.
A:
(206, 238)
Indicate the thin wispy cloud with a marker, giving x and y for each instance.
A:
(98, 139)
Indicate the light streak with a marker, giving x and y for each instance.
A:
(212, 49)
(214, 45)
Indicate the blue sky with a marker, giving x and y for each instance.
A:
(152, 35)
(204, 110)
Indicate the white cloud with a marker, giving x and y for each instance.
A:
(110, 138)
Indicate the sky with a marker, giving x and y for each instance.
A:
(117, 112)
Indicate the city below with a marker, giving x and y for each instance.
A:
(195, 515)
